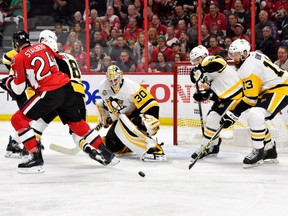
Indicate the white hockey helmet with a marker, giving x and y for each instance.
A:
(49, 38)
(196, 52)
(239, 46)
(114, 76)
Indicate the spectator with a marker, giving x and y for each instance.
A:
(120, 45)
(111, 17)
(282, 61)
(227, 42)
(141, 65)
(138, 48)
(152, 36)
(133, 13)
(269, 44)
(60, 47)
(106, 31)
(181, 27)
(189, 6)
(193, 30)
(61, 35)
(165, 11)
(243, 17)
(112, 41)
(121, 11)
(214, 46)
(232, 21)
(239, 33)
(138, 8)
(162, 47)
(176, 50)
(126, 63)
(72, 37)
(62, 11)
(97, 38)
(15, 13)
(170, 36)
(263, 21)
(79, 55)
(216, 18)
(184, 41)
(80, 32)
(180, 15)
(4, 9)
(96, 58)
(78, 18)
(106, 62)
(96, 26)
(161, 64)
(160, 28)
(279, 11)
(131, 33)
(205, 36)
(93, 17)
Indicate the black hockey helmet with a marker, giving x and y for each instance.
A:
(20, 38)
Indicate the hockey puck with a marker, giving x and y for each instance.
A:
(142, 174)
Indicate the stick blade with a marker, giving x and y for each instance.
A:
(63, 150)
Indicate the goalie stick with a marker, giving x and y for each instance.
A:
(206, 147)
(71, 151)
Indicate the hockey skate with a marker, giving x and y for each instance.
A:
(213, 150)
(32, 163)
(255, 158)
(154, 154)
(270, 155)
(14, 149)
(104, 156)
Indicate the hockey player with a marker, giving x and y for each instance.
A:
(14, 148)
(35, 66)
(221, 84)
(265, 88)
(134, 114)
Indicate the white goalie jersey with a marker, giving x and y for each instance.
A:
(131, 98)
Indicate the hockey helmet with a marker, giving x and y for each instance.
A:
(49, 38)
(196, 52)
(114, 76)
(238, 47)
(20, 38)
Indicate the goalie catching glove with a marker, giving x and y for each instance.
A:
(151, 123)
(228, 119)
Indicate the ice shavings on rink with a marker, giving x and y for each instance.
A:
(77, 185)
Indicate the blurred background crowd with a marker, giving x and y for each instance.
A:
(116, 29)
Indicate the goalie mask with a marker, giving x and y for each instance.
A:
(114, 76)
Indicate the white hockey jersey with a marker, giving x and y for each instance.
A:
(259, 74)
(221, 78)
(131, 98)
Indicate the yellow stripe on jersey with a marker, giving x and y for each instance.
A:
(7, 58)
(143, 100)
(252, 86)
(78, 87)
(233, 89)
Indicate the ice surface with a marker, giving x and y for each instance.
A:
(77, 185)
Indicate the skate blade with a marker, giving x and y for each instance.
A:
(13, 155)
(247, 166)
(271, 161)
(32, 170)
(114, 162)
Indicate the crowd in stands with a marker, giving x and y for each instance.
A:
(116, 31)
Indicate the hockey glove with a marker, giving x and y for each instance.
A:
(196, 74)
(228, 119)
(202, 95)
(5, 83)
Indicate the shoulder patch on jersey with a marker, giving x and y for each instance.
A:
(258, 56)
(104, 92)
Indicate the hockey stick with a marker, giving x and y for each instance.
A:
(206, 146)
(71, 151)
(200, 110)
